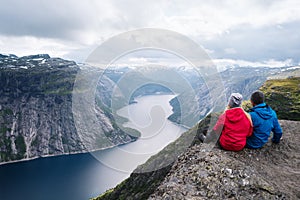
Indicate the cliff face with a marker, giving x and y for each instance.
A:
(267, 173)
(36, 108)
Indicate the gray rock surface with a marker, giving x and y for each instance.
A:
(268, 173)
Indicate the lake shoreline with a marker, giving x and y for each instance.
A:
(104, 148)
(90, 173)
(64, 154)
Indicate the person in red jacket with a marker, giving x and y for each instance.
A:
(234, 125)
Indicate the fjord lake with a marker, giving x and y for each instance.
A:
(86, 175)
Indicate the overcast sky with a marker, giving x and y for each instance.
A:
(233, 31)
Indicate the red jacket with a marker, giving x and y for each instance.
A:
(236, 126)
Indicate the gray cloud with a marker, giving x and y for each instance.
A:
(249, 43)
(37, 18)
(249, 30)
(60, 19)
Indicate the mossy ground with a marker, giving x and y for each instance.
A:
(283, 95)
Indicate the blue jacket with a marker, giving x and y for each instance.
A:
(264, 121)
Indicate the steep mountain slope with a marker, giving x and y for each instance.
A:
(244, 80)
(36, 116)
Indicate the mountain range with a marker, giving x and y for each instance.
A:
(36, 116)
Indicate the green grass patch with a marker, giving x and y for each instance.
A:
(283, 95)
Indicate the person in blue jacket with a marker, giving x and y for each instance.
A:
(264, 121)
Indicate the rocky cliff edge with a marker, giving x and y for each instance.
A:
(268, 173)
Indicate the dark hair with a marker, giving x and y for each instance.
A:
(257, 97)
